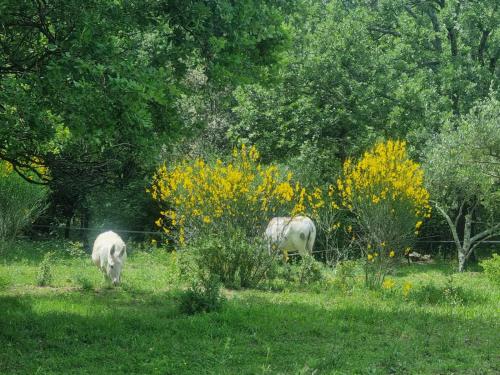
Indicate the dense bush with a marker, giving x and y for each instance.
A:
(303, 271)
(310, 270)
(492, 268)
(236, 260)
(20, 202)
(200, 194)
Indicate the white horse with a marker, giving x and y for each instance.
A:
(291, 234)
(109, 254)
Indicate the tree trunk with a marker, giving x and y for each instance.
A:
(461, 261)
(464, 250)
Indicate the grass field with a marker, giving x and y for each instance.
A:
(78, 326)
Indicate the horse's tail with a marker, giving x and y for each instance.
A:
(310, 239)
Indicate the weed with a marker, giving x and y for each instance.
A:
(84, 283)
(203, 296)
(44, 277)
(345, 275)
(310, 270)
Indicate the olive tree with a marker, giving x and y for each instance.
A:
(463, 169)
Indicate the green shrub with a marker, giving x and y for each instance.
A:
(310, 270)
(345, 275)
(449, 294)
(20, 203)
(75, 249)
(492, 268)
(84, 283)
(187, 263)
(204, 295)
(304, 271)
(236, 260)
(44, 277)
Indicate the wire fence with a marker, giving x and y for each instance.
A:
(164, 235)
(99, 230)
(63, 228)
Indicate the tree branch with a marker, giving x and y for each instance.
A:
(450, 223)
(459, 215)
(486, 233)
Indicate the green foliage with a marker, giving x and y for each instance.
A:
(448, 293)
(20, 204)
(239, 262)
(84, 283)
(303, 271)
(310, 270)
(345, 275)
(75, 249)
(462, 163)
(463, 173)
(92, 91)
(492, 268)
(356, 71)
(45, 275)
(203, 296)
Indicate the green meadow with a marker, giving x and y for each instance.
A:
(446, 324)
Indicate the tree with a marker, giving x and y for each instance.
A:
(463, 168)
(360, 70)
(89, 90)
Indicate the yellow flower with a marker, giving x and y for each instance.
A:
(418, 224)
(388, 284)
(370, 257)
(406, 289)
(392, 254)
(407, 251)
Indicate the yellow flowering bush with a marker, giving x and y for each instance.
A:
(224, 208)
(239, 193)
(384, 190)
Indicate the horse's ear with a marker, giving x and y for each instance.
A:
(123, 251)
(112, 251)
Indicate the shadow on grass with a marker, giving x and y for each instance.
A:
(32, 252)
(139, 333)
